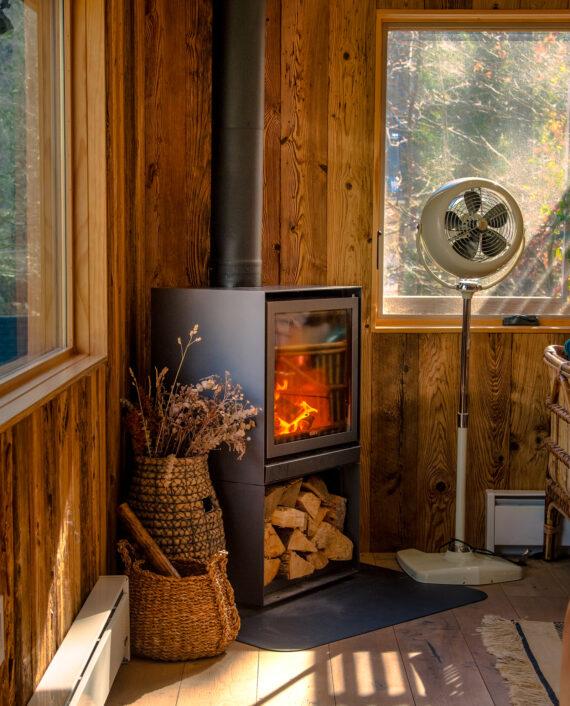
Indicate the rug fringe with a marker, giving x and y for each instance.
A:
(502, 640)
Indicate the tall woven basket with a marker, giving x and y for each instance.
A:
(177, 619)
(176, 502)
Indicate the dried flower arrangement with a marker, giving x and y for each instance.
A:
(188, 420)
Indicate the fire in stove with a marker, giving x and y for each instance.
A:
(310, 390)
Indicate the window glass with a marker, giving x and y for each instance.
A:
(491, 104)
(32, 292)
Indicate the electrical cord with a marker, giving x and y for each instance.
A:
(521, 561)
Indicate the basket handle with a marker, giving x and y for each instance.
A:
(125, 551)
(224, 597)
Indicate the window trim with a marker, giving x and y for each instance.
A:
(86, 220)
(409, 19)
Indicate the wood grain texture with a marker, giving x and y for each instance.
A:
(349, 190)
(393, 471)
(529, 419)
(304, 104)
(173, 46)
(52, 526)
(489, 415)
(271, 223)
(437, 406)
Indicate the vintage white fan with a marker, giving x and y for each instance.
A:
(471, 235)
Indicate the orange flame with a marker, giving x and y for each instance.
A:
(294, 425)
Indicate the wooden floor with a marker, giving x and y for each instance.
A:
(432, 661)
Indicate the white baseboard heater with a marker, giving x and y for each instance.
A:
(88, 659)
(515, 521)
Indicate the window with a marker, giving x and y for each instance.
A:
(53, 217)
(470, 100)
(32, 233)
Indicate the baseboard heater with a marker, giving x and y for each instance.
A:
(515, 521)
(87, 661)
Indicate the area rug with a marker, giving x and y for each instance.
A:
(528, 657)
(373, 598)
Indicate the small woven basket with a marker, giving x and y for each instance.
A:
(176, 502)
(177, 619)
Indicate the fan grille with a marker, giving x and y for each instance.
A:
(479, 225)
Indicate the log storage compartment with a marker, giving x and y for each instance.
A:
(291, 505)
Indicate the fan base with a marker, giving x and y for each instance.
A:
(457, 567)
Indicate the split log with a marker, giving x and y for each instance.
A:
(335, 544)
(309, 503)
(153, 553)
(270, 570)
(272, 544)
(289, 497)
(272, 499)
(294, 566)
(296, 541)
(317, 486)
(336, 513)
(289, 517)
(314, 524)
(318, 559)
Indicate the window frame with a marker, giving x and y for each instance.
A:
(85, 219)
(439, 19)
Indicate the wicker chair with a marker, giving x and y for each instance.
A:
(557, 500)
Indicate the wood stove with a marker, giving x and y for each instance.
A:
(296, 353)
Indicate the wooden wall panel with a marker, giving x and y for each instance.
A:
(172, 49)
(304, 105)
(53, 526)
(409, 464)
(489, 427)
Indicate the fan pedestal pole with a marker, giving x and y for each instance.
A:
(458, 565)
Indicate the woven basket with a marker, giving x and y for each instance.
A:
(177, 619)
(176, 502)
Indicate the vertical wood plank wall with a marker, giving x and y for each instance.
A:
(321, 142)
(59, 467)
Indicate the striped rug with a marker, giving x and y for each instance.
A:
(528, 655)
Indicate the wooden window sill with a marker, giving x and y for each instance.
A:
(433, 325)
(31, 394)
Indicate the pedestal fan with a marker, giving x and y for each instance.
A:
(470, 237)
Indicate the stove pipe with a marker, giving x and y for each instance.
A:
(237, 142)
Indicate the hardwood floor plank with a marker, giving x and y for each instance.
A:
(469, 618)
(548, 608)
(561, 572)
(227, 680)
(295, 678)
(537, 581)
(146, 683)
(440, 668)
(368, 669)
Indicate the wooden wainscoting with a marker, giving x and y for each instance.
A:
(53, 526)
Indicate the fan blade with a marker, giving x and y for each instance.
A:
(497, 216)
(452, 221)
(472, 201)
(493, 243)
(467, 246)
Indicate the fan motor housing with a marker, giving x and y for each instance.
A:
(435, 230)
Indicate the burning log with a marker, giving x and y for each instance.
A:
(272, 544)
(293, 566)
(289, 517)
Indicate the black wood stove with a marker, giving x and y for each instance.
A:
(296, 353)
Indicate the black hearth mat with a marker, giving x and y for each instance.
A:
(373, 598)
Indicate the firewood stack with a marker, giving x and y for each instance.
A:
(304, 526)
